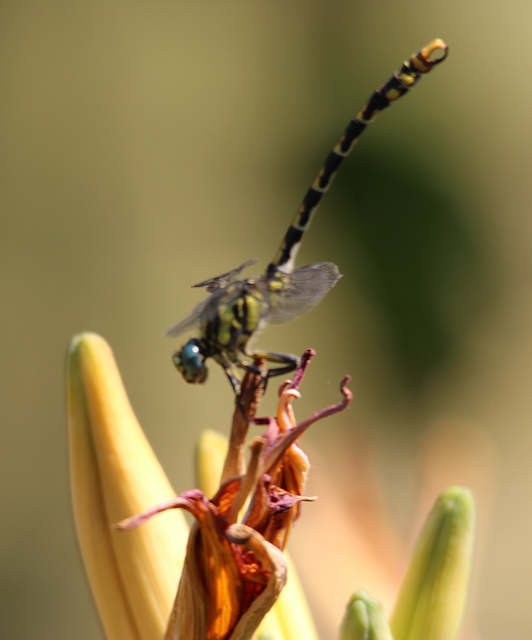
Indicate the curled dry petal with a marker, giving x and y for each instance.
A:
(273, 565)
(231, 576)
(290, 615)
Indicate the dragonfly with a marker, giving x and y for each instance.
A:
(237, 308)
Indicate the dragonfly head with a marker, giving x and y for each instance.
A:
(190, 361)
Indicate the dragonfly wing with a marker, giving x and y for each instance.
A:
(302, 291)
(224, 279)
(189, 321)
(215, 286)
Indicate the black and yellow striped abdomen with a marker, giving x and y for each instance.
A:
(411, 71)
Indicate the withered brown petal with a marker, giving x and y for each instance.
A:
(273, 564)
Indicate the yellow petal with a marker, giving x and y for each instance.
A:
(292, 610)
(211, 451)
(114, 474)
(432, 597)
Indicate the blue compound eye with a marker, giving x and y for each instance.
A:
(191, 356)
(190, 361)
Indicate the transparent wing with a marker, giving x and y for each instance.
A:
(208, 308)
(302, 290)
(223, 280)
(189, 321)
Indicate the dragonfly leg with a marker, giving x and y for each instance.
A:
(235, 382)
(253, 369)
(230, 371)
(287, 361)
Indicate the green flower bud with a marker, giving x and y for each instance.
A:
(432, 597)
(364, 619)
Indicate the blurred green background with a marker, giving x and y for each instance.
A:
(147, 146)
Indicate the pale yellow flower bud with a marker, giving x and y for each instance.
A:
(211, 452)
(114, 473)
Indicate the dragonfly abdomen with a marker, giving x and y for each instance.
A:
(410, 72)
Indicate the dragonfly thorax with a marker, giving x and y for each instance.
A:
(190, 361)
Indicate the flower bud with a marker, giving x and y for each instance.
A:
(432, 597)
(364, 619)
(114, 473)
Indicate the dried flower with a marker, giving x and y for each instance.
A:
(234, 566)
